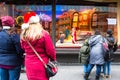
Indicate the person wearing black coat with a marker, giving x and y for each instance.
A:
(112, 45)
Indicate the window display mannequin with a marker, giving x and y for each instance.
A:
(67, 32)
(74, 35)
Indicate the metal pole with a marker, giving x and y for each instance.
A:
(54, 21)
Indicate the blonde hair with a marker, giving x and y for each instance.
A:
(33, 32)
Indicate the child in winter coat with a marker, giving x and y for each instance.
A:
(84, 53)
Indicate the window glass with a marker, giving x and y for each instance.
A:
(74, 22)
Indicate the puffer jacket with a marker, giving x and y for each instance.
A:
(84, 54)
(96, 50)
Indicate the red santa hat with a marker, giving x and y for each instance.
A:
(31, 17)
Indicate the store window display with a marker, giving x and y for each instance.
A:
(84, 19)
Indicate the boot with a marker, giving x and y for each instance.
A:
(97, 77)
(86, 76)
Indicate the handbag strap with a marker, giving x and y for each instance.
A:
(37, 54)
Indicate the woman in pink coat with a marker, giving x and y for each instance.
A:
(41, 41)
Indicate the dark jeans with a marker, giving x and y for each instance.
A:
(10, 74)
(98, 69)
(106, 68)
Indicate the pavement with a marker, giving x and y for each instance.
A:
(75, 72)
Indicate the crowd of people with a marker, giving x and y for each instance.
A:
(97, 56)
(14, 45)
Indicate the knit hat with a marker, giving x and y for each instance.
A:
(97, 32)
(31, 17)
(7, 22)
(109, 31)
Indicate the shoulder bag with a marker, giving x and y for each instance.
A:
(51, 67)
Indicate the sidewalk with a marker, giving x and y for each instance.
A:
(75, 72)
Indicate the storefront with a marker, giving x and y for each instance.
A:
(73, 22)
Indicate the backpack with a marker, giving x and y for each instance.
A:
(85, 49)
(115, 46)
(112, 43)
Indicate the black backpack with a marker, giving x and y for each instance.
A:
(112, 43)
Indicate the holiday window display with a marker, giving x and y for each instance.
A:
(83, 20)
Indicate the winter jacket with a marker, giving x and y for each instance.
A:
(112, 45)
(10, 49)
(35, 69)
(96, 50)
(84, 52)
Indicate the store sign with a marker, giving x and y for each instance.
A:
(111, 21)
